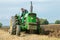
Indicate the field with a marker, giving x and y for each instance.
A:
(48, 31)
(51, 30)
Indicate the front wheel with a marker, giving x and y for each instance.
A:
(18, 30)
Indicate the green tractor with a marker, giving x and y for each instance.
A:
(28, 23)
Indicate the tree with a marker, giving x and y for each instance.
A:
(0, 25)
(44, 21)
(57, 22)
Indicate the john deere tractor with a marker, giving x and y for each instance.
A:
(28, 23)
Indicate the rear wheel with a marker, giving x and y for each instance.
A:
(18, 30)
(12, 29)
(38, 26)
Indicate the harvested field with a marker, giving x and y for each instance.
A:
(4, 35)
(51, 30)
(5, 29)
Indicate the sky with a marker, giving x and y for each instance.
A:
(47, 9)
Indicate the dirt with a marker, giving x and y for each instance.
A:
(4, 35)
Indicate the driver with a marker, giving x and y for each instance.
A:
(24, 11)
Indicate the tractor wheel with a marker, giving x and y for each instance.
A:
(12, 30)
(38, 29)
(18, 30)
(38, 26)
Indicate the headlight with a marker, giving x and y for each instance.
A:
(31, 18)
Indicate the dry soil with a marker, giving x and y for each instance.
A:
(4, 35)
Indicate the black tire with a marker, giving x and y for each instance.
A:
(38, 26)
(13, 25)
(38, 29)
(18, 30)
(13, 31)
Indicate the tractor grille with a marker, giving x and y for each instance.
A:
(33, 26)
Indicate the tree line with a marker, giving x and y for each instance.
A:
(45, 21)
